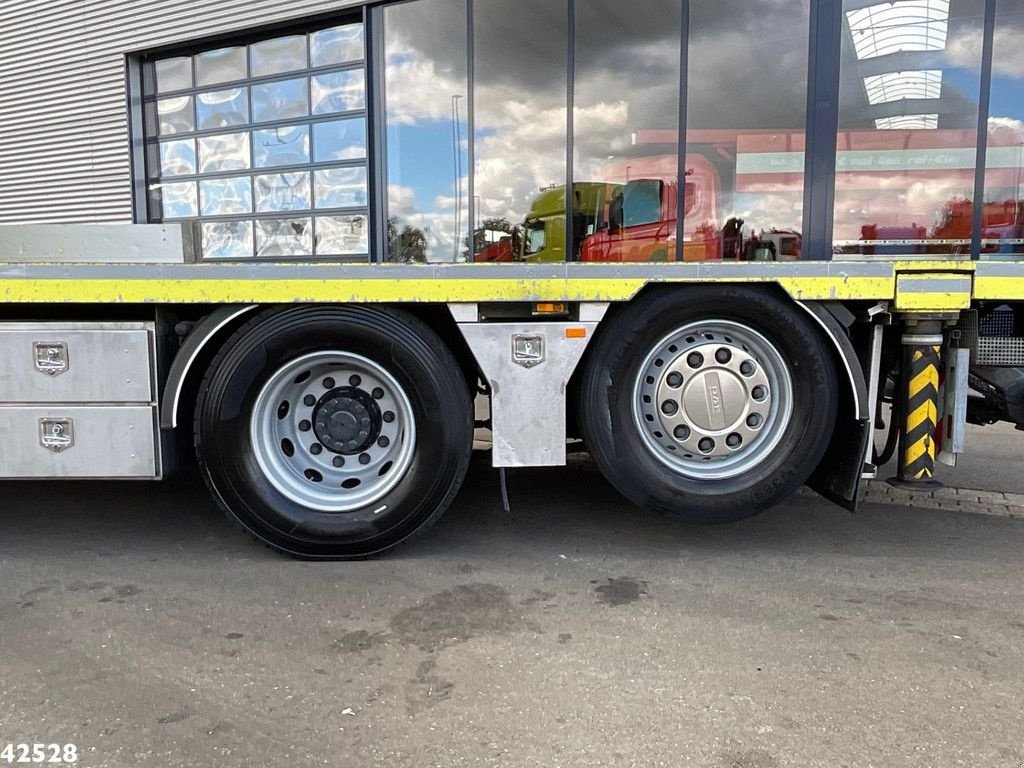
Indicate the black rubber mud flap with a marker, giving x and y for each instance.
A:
(838, 477)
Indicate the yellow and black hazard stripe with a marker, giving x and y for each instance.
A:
(921, 413)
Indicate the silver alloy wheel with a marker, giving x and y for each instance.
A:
(713, 399)
(333, 431)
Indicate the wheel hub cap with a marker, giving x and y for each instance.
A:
(713, 399)
(346, 421)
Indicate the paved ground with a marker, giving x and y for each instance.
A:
(576, 632)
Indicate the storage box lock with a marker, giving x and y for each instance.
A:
(57, 435)
(527, 351)
(51, 357)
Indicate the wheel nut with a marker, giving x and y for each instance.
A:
(674, 380)
(747, 368)
(309, 400)
(339, 461)
(383, 442)
(388, 416)
(316, 449)
(759, 393)
(355, 380)
(305, 426)
(707, 445)
(328, 383)
(669, 407)
(695, 360)
(364, 458)
(734, 440)
(723, 355)
(754, 420)
(682, 432)
(378, 393)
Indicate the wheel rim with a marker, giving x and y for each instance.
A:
(713, 399)
(333, 431)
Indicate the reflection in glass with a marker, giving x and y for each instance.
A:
(222, 109)
(287, 145)
(426, 87)
(1003, 213)
(282, 192)
(224, 152)
(281, 54)
(340, 187)
(520, 98)
(908, 116)
(626, 133)
(221, 66)
(177, 158)
(339, 140)
(220, 197)
(342, 235)
(227, 239)
(744, 167)
(178, 200)
(174, 115)
(336, 45)
(173, 74)
(339, 92)
(283, 100)
(284, 237)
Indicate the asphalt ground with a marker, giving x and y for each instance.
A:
(575, 631)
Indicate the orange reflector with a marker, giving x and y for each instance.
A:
(549, 308)
(575, 333)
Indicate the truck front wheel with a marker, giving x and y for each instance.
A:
(708, 404)
(334, 432)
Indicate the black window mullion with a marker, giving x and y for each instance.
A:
(471, 135)
(376, 139)
(570, 195)
(984, 100)
(822, 128)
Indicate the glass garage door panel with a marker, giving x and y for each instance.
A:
(908, 117)
(1002, 234)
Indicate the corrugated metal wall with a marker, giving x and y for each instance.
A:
(64, 145)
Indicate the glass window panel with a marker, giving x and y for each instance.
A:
(339, 140)
(520, 127)
(221, 66)
(426, 87)
(342, 235)
(223, 109)
(224, 152)
(908, 117)
(178, 157)
(1003, 213)
(336, 45)
(176, 200)
(287, 145)
(221, 197)
(174, 115)
(284, 237)
(340, 188)
(283, 100)
(339, 91)
(282, 54)
(173, 74)
(744, 184)
(282, 192)
(227, 239)
(626, 133)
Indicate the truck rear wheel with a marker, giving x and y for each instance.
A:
(708, 405)
(334, 432)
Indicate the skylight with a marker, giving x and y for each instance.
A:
(907, 122)
(896, 86)
(903, 25)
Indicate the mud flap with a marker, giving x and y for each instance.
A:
(838, 477)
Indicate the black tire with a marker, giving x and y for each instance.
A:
(400, 343)
(615, 440)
